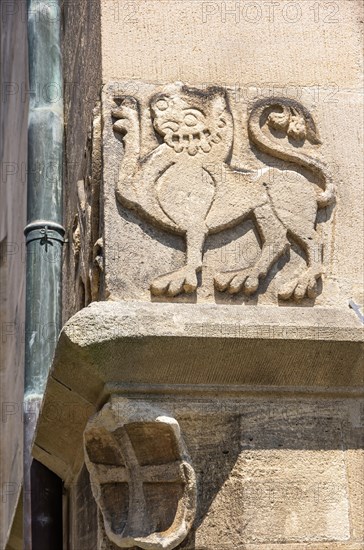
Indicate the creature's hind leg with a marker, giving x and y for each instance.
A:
(306, 283)
(275, 244)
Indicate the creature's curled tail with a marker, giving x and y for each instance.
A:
(291, 118)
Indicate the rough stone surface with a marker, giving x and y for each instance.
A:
(215, 43)
(168, 345)
(171, 344)
(81, 43)
(82, 511)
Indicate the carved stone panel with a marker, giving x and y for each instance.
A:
(210, 200)
(141, 476)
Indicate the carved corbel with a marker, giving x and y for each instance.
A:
(141, 476)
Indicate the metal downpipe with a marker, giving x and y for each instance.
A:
(44, 236)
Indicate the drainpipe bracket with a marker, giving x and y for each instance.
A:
(44, 231)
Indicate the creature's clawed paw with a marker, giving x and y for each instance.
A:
(127, 114)
(299, 287)
(171, 284)
(235, 281)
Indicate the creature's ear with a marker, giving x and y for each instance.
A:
(219, 104)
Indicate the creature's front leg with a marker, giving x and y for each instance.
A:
(127, 125)
(184, 279)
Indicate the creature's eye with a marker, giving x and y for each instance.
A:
(190, 120)
(162, 104)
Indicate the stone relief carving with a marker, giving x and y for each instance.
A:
(141, 475)
(86, 239)
(188, 185)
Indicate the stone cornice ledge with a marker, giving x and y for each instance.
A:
(117, 346)
(212, 344)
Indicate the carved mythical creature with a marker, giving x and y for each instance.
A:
(188, 185)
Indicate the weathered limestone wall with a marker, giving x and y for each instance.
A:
(198, 41)
(82, 90)
(13, 165)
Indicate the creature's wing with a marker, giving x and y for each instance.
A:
(147, 203)
(148, 206)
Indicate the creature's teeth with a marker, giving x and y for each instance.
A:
(193, 147)
(205, 146)
(178, 147)
(174, 141)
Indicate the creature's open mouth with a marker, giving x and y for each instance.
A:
(192, 142)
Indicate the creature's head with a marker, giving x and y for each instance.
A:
(189, 119)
